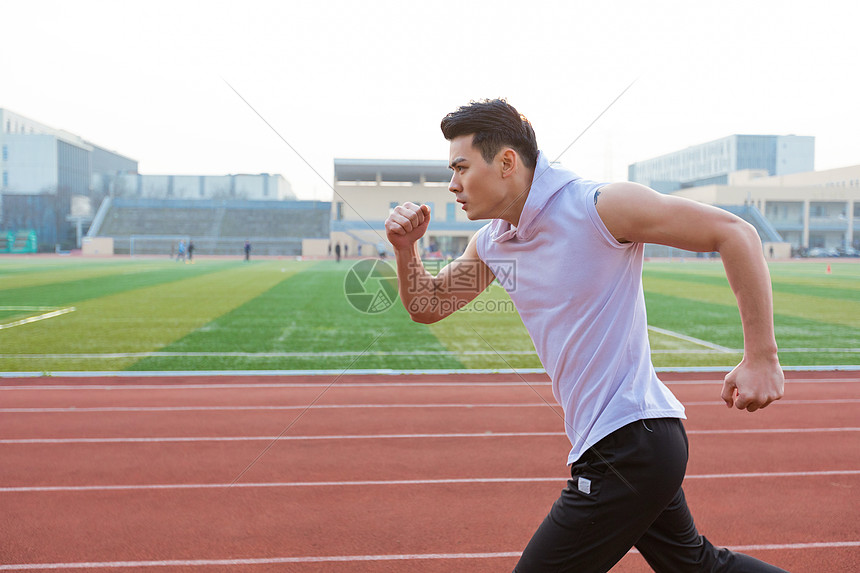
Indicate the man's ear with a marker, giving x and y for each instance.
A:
(509, 162)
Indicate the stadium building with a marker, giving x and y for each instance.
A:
(49, 178)
(769, 181)
(812, 210)
(795, 209)
(56, 186)
(367, 190)
(141, 226)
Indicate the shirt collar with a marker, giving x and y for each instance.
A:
(548, 180)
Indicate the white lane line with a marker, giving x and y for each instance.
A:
(193, 439)
(273, 385)
(775, 474)
(178, 486)
(781, 546)
(783, 402)
(260, 561)
(36, 318)
(774, 430)
(108, 409)
(364, 558)
(170, 486)
(272, 438)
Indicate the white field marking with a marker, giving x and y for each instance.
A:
(822, 350)
(106, 409)
(415, 384)
(304, 373)
(364, 558)
(698, 341)
(193, 439)
(387, 372)
(781, 351)
(37, 318)
(273, 385)
(398, 482)
(158, 354)
(343, 354)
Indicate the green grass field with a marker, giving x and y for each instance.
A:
(63, 314)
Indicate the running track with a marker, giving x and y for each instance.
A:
(411, 473)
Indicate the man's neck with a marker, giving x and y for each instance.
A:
(517, 199)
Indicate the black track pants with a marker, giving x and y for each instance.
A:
(624, 492)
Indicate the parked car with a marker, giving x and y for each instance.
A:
(822, 252)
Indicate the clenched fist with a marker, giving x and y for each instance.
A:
(407, 224)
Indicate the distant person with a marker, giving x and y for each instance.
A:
(359, 250)
(191, 251)
(380, 249)
(577, 247)
(181, 255)
(329, 249)
(247, 250)
(346, 251)
(337, 252)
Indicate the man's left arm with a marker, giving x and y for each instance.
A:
(635, 213)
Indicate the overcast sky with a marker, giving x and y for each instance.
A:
(373, 79)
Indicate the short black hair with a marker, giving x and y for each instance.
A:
(495, 124)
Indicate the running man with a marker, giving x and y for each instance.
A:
(570, 252)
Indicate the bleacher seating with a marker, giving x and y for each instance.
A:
(151, 226)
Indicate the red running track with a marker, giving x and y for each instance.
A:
(385, 473)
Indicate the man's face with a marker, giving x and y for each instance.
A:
(478, 185)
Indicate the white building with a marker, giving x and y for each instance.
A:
(44, 172)
(711, 163)
(809, 210)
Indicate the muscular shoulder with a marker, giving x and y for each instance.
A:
(620, 204)
(622, 191)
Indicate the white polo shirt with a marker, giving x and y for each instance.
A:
(579, 294)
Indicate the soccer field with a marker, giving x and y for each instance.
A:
(67, 314)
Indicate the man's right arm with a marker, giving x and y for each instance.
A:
(426, 298)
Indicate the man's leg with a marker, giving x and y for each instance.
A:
(617, 489)
(672, 545)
